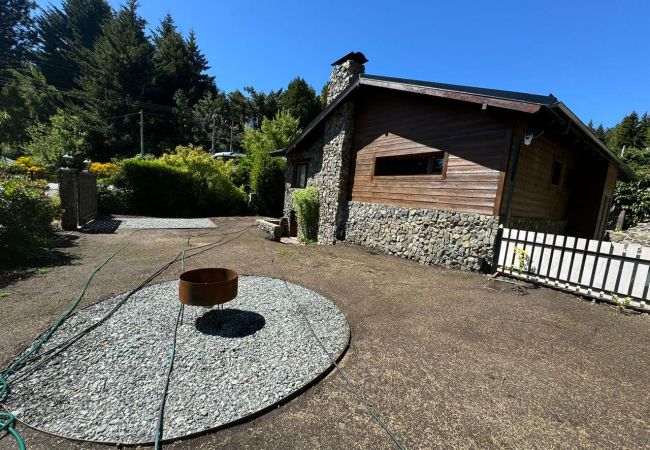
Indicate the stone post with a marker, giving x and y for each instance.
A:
(69, 194)
(336, 162)
(336, 149)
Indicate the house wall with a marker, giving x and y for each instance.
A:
(447, 220)
(399, 123)
(534, 197)
(574, 207)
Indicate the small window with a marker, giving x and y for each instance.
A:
(300, 175)
(421, 164)
(556, 173)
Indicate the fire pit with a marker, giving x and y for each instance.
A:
(208, 287)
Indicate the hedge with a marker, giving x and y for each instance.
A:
(154, 188)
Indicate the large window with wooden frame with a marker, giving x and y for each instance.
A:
(300, 175)
(417, 164)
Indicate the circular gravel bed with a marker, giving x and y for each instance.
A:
(229, 364)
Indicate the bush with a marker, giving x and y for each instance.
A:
(104, 171)
(267, 180)
(188, 183)
(305, 202)
(26, 215)
(111, 200)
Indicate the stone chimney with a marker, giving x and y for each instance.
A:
(346, 71)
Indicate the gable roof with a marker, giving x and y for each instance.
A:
(517, 101)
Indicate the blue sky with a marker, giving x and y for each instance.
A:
(593, 55)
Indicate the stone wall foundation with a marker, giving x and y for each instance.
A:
(442, 238)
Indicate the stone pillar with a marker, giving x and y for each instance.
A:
(337, 144)
(69, 194)
(336, 163)
(87, 200)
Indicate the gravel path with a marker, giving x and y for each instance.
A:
(230, 363)
(157, 222)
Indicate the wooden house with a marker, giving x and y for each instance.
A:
(429, 171)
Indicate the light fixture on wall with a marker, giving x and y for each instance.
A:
(529, 137)
(87, 162)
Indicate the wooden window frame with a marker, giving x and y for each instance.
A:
(294, 178)
(442, 175)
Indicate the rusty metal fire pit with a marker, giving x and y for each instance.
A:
(207, 287)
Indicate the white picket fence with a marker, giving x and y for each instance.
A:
(603, 270)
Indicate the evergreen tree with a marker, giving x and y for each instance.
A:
(627, 133)
(602, 133)
(24, 101)
(262, 105)
(17, 34)
(116, 76)
(66, 34)
(300, 101)
(201, 83)
(644, 131)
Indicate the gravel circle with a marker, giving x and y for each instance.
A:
(230, 362)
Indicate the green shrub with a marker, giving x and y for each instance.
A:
(26, 215)
(111, 200)
(187, 183)
(305, 202)
(267, 180)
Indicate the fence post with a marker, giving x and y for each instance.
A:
(497, 248)
(69, 194)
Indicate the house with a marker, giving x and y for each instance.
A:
(429, 171)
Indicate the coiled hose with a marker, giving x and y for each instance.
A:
(7, 420)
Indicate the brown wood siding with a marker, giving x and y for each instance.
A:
(392, 124)
(533, 195)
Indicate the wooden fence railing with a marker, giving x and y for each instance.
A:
(597, 269)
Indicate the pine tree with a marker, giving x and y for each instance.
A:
(626, 133)
(17, 35)
(201, 83)
(602, 133)
(644, 131)
(262, 105)
(116, 75)
(66, 34)
(300, 101)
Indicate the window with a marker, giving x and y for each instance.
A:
(556, 172)
(300, 175)
(421, 164)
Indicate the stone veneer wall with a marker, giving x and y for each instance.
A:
(334, 174)
(443, 238)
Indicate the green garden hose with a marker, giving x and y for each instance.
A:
(7, 420)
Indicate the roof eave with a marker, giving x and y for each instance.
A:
(324, 113)
(516, 105)
(600, 145)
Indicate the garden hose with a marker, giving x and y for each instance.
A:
(7, 420)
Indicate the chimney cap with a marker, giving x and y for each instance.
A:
(353, 56)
